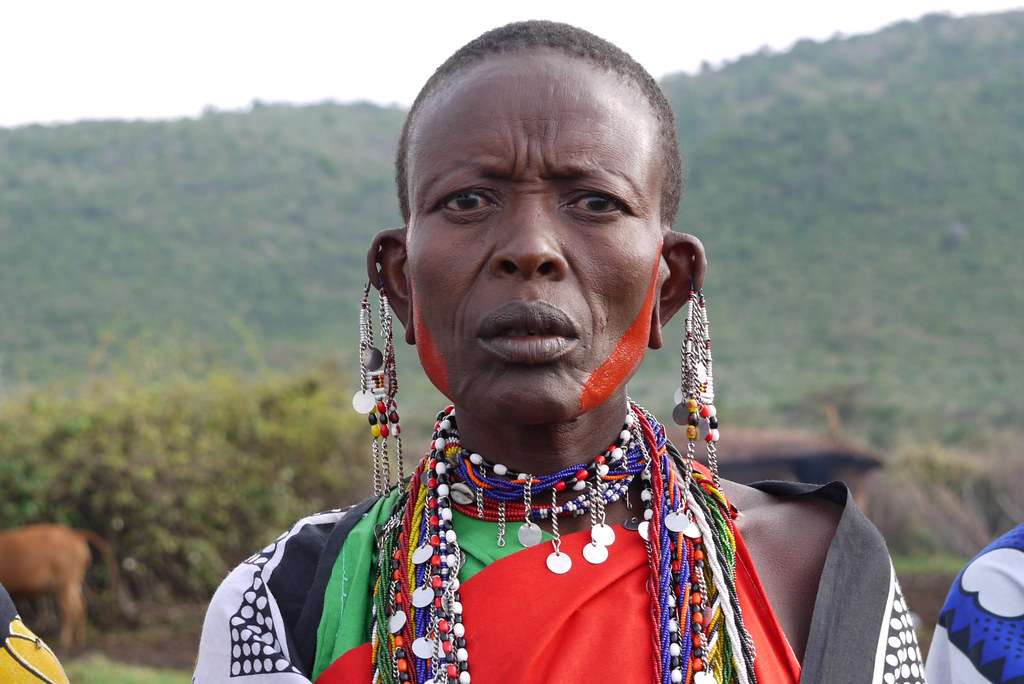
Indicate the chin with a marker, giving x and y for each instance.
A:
(510, 404)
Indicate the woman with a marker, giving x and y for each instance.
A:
(551, 531)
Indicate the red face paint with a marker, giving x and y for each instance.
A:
(430, 356)
(625, 358)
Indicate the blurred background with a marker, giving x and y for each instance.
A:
(187, 191)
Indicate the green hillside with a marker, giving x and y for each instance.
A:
(861, 201)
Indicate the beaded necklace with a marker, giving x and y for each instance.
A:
(418, 633)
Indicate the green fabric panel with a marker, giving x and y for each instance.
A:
(345, 619)
(345, 623)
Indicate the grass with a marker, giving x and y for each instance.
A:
(98, 669)
(907, 564)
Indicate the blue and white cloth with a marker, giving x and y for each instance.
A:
(980, 635)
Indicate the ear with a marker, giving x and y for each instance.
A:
(687, 263)
(386, 263)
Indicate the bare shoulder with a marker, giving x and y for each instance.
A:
(788, 540)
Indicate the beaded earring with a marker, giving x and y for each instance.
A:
(378, 375)
(695, 398)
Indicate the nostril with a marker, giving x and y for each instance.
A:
(508, 267)
(546, 268)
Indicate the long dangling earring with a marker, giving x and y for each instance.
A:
(378, 388)
(695, 399)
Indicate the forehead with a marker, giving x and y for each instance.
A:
(541, 97)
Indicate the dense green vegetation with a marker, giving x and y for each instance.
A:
(185, 477)
(860, 200)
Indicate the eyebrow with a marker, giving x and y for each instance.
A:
(495, 166)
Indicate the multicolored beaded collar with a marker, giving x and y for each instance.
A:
(418, 633)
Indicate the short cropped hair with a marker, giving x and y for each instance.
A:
(571, 42)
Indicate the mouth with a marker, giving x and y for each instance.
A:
(528, 333)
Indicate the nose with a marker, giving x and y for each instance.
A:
(529, 249)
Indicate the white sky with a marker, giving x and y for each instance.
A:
(65, 60)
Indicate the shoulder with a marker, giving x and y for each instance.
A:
(251, 623)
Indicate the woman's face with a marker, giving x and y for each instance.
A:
(535, 236)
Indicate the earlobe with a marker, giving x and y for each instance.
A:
(687, 263)
(386, 263)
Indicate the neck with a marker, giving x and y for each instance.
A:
(545, 448)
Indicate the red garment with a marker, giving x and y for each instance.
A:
(526, 624)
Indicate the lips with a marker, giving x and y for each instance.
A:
(528, 333)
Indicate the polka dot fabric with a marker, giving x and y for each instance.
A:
(903, 663)
(254, 645)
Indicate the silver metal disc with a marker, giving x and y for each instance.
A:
(363, 401)
(676, 521)
(530, 534)
(602, 534)
(632, 524)
(397, 622)
(703, 677)
(422, 597)
(595, 553)
(372, 359)
(692, 531)
(422, 554)
(559, 563)
(678, 396)
(461, 493)
(644, 528)
(423, 648)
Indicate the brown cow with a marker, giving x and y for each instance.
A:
(52, 559)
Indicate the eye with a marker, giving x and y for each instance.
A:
(598, 204)
(465, 200)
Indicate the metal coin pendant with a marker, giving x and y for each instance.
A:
(676, 521)
(462, 494)
(704, 677)
(530, 534)
(372, 359)
(632, 524)
(422, 554)
(595, 553)
(423, 648)
(397, 622)
(692, 531)
(363, 401)
(559, 563)
(678, 396)
(602, 534)
(422, 597)
(644, 528)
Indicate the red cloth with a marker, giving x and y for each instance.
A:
(525, 624)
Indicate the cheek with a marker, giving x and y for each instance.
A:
(625, 358)
(430, 356)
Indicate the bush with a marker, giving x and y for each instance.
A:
(936, 500)
(185, 477)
